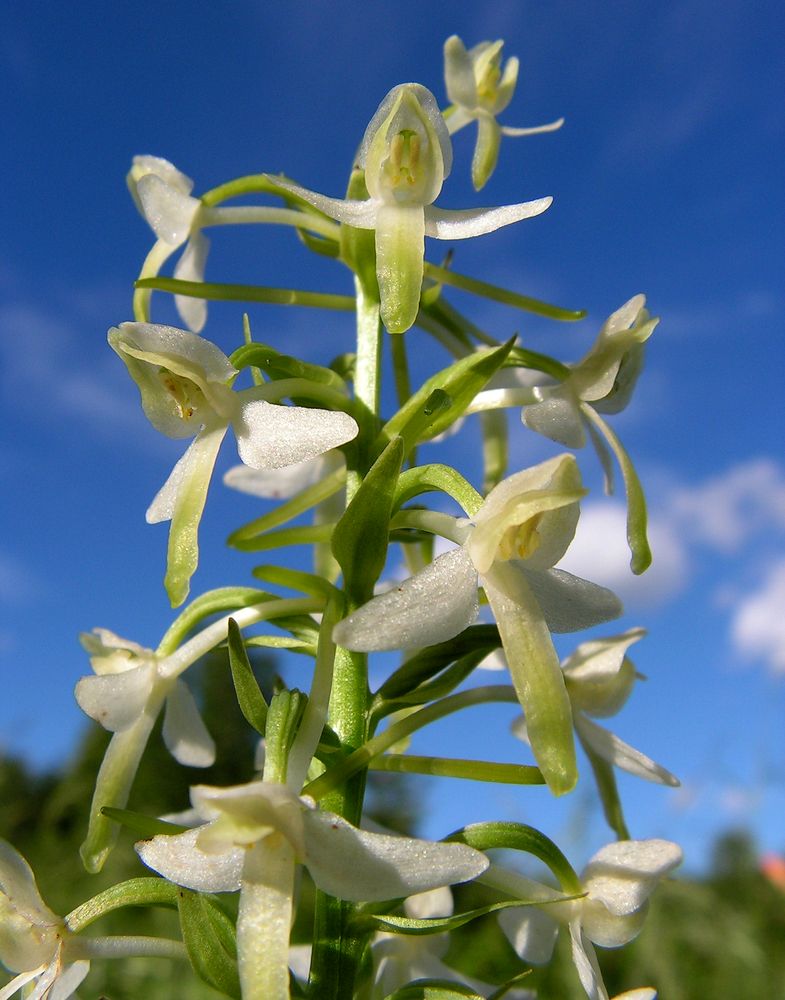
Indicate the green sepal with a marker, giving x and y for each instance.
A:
(278, 366)
(249, 697)
(415, 927)
(636, 501)
(359, 541)
(461, 382)
(475, 640)
(143, 891)
(210, 940)
(520, 837)
(212, 603)
(434, 989)
(145, 826)
(283, 720)
(225, 292)
(307, 498)
(486, 151)
(358, 246)
(497, 294)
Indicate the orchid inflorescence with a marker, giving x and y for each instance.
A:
(312, 439)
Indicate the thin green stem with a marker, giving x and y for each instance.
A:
(472, 770)
(222, 292)
(240, 215)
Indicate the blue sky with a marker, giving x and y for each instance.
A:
(666, 178)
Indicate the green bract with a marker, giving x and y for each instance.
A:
(406, 154)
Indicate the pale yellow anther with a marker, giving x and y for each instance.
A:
(185, 393)
(520, 541)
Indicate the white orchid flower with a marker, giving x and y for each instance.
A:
(522, 529)
(407, 154)
(34, 942)
(617, 881)
(253, 836)
(185, 385)
(603, 379)
(480, 90)
(162, 193)
(599, 678)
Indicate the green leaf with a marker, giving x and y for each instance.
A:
(440, 686)
(210, 941)
(497, 294)
(461, 382)
(434, 989)
(306, 583)
(414, 927)
(145, 826)
(249, 697)
(305, 534)
(283, 721)
(359, 541)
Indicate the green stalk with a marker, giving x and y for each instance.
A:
(337, 946)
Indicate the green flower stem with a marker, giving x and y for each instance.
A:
(211, 603)
(497, 294)
(261, 214)
(306, 534)
(153, 262)
(249, 184)
(134, 892)
(444, 479)
(127, 946)
(361, 758)
(403, 384)
(214, 291)
(473, 770)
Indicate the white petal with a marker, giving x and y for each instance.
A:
(530, 931)
(116, 701)
(272, 436)
(168, 172)
(178, 859)
(608, 746)
(18, 982)
(433, 903)
(623, 875)
(17, 882)
(361, 214)
(190, 267)
(184, 732)
(569, 602)
(183, 351)
(459, 74)
(278, 484)
(585, 961)
(169, 212)
(68, 980)
(532, 130)
(600, 660)
(356, 865)
(446, 224)
(558, 418)
(436, 604)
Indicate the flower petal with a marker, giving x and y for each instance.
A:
(185, 734)
(432, 606)
(168, 172)
(179, 859)
(622, 876)
(584, 959)
(168, 210)
(536, 675)
(486, 150)
(599, 676)
(116, 700)
(69, 979)
(273, 436)
(356, 865)
(532, 130)
(449, 224)
(459, 74)
(400, 249)
(569, 602)
(608, 746)
(557, 417)
(530, 931)
(282, 483)
(190, 267)
(361, 214)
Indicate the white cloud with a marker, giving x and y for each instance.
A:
(599, 552)
(727, 509)
(758, 622)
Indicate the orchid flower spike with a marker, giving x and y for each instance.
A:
(125, 695)
(185, 385)
(604, 379)
(407, 154)
(34, 942)
(599, 678)
(253, 836)
(617, 883)
(162, 193)
(522, 529)
(480, 90)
